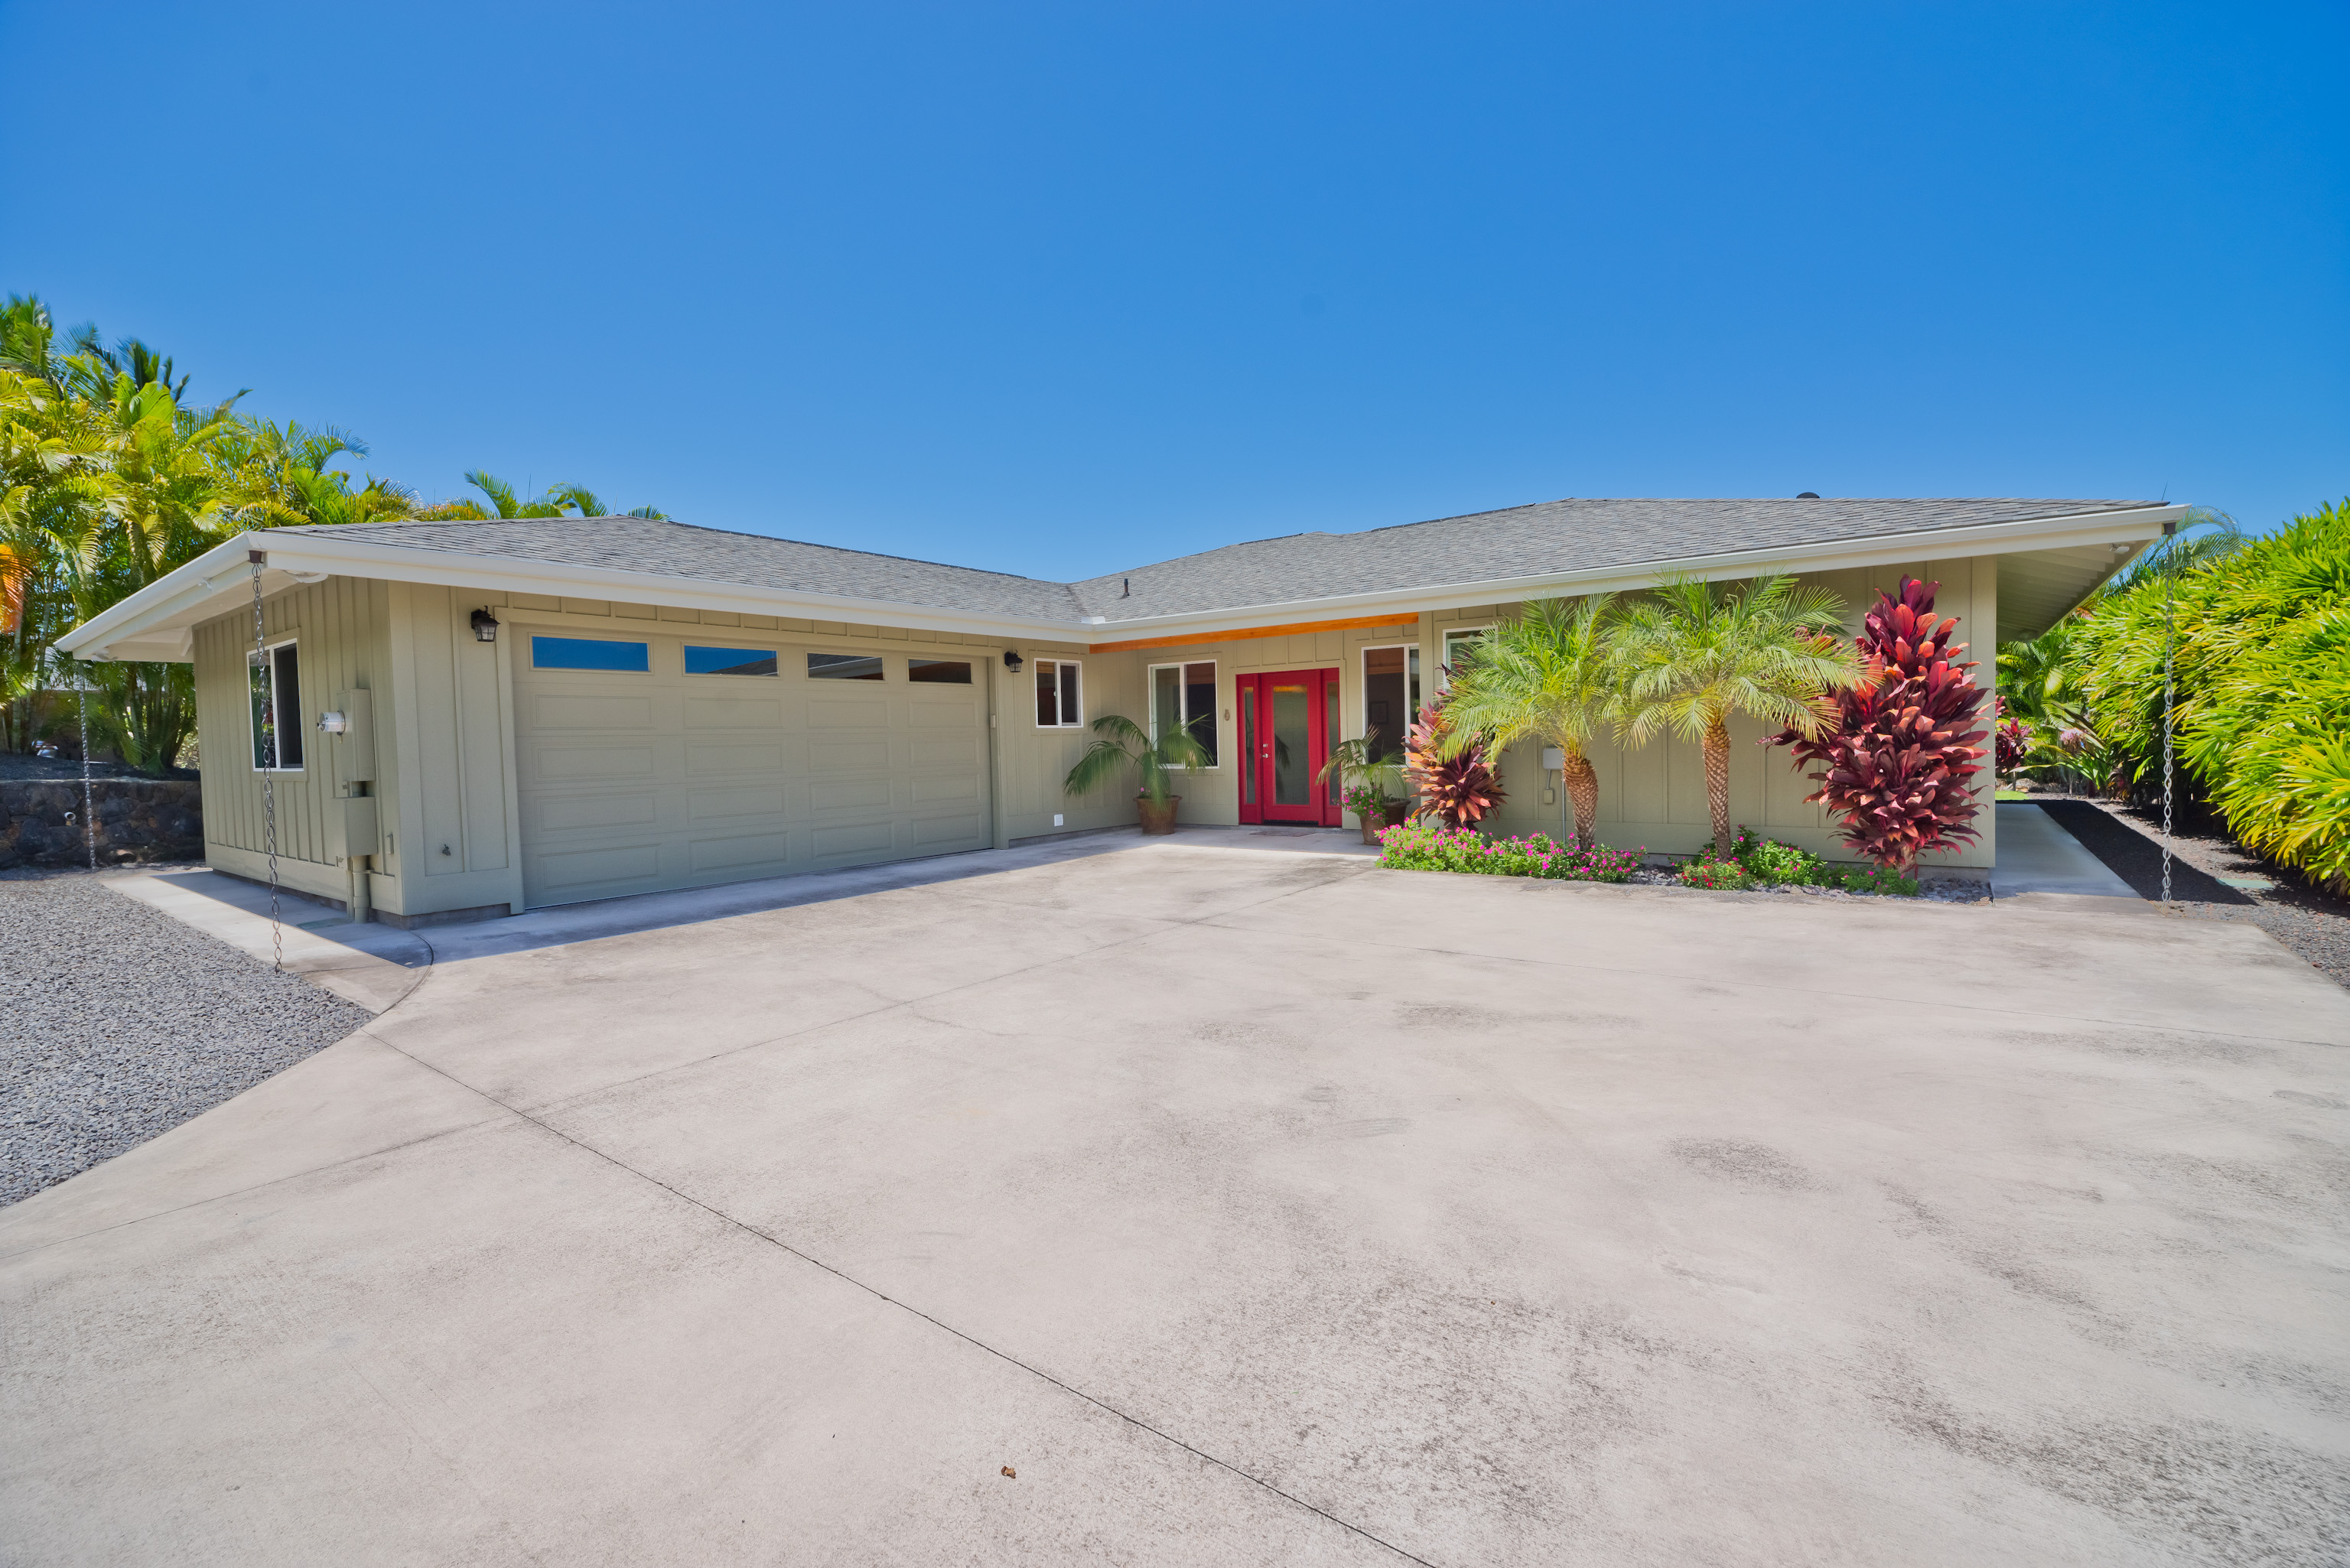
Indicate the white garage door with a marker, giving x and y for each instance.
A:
(656, 761)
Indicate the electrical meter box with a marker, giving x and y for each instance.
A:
(353, 829)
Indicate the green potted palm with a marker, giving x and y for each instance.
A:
(1120, 743)
(1364, 772)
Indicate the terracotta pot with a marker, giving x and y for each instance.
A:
(1388, 815)
(1157, 815)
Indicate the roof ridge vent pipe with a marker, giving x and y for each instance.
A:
(1809, 495)
(1128, 591)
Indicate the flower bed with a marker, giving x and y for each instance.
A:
(1757, 862)
(1410, 846)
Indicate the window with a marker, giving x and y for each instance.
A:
(844, 667)
(1184, 695)
(1390, 699)
(1057, 699)
(1460, 642)
(945, 671)
(276, 677)
(729, 660)
(588, 654)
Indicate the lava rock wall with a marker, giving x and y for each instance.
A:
(138, 819)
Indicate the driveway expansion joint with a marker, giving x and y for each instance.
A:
(883, 1297)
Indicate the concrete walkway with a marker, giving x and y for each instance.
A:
(2036, 856)
(1176, 1204)
(376, 965)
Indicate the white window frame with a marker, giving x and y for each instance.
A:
(1411, 678)
(269, 662)
(1183, 690)
(1059, 705)
(1444, 636)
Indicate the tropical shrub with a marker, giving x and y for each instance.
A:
(1416, 846)
(2260, 638)
(2012, 737)
(1458, 790)
(1724, 875)
(1897, 764)
(1757, 862)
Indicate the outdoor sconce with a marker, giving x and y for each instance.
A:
(1012, 661)
(485, 627)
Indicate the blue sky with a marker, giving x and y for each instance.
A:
(1062, 289)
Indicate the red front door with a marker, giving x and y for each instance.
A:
(1288, 721)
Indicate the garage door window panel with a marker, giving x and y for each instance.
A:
(700, 660)
(844, 667)
(599, 655)
(939, 672)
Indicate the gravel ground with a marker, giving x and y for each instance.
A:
(118, 1022)
(2208, 879)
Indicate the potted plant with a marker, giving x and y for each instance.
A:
(1364, 772)
(1120, 742)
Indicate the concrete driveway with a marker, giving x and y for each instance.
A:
(1251, 1208)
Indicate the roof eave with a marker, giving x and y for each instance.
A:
(200, 588)
(2132, 526)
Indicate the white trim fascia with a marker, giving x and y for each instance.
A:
(207, 577)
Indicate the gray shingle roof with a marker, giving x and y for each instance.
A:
(1484, 546)
(1527, 540)
(713, 554)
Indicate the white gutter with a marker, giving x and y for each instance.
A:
(223, 572)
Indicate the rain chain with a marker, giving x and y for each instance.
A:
(89, 796)
(2169, 608)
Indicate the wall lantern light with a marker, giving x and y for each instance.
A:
(485, 627)
(1012, 661)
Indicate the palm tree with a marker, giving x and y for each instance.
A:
(1694, 655)
(1120, 743)
(560, 500)
(1549, 676)
(284, 478)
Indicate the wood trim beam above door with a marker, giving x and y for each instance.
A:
(1401, 623)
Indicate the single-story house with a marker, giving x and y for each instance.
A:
(462, 719)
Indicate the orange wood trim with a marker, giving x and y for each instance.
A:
(1249, 634)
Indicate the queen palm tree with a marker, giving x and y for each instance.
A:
(1694, 655)
(1547, 676)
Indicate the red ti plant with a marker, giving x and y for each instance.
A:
(1459, 790)
(2013, 740)
(1897, 763)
